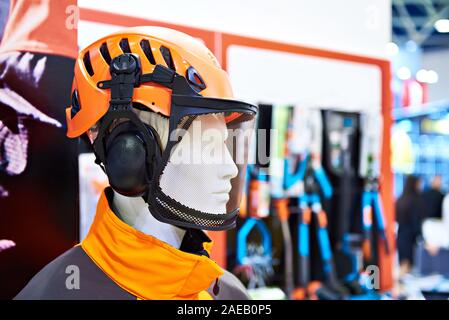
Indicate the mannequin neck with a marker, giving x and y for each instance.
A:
(134, 212)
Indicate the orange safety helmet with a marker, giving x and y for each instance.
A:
(178, 51)
(169, 73)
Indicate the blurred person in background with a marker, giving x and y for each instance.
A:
(410, 208)
(433, 198)
(38, 167)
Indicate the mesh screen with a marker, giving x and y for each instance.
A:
(200, 184)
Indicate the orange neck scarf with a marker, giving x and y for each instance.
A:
(143, 265)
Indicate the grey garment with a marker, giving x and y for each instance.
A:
(56, 281)
(52, 282)
(230, 288)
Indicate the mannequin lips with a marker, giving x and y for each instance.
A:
(226, 188)
(221, 197)
(223, 193)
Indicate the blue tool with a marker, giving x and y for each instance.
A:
(372, 207)
(250, 225)
(258, 260)
(314, 181)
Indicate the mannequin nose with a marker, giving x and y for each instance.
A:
(229, 169)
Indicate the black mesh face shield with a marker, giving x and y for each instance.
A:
(199, 182)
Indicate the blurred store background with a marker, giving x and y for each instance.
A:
(372, 69)
(419, 54)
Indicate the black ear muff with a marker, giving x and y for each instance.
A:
(131, 156)
(129, 151)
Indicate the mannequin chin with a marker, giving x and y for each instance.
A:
(200, 169)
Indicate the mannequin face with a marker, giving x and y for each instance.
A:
(200, 169)
(199, 172)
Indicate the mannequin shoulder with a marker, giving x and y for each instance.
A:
(72, 275)
(231, 288)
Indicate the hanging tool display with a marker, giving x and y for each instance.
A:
(351, 146)
(351, 249)
(370, 171)
(313, 183)
(341, 132)
(313, 151)
(255, 259)
(281, 206)
(280, 199)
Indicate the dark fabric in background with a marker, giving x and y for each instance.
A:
(434, 202)
(41, 212)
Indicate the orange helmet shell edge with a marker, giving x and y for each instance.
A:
(153, 45)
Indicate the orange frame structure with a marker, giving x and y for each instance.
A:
(219, 43)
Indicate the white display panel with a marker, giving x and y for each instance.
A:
(89, 32)
(266, 76)
(355, 26)
(283, 78)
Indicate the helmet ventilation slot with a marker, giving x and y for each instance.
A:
(166, 54)
(124, 45)
(146, 48)
(104, 51)
(88, 64)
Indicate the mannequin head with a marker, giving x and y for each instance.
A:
(189, 180)
(200, 168)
